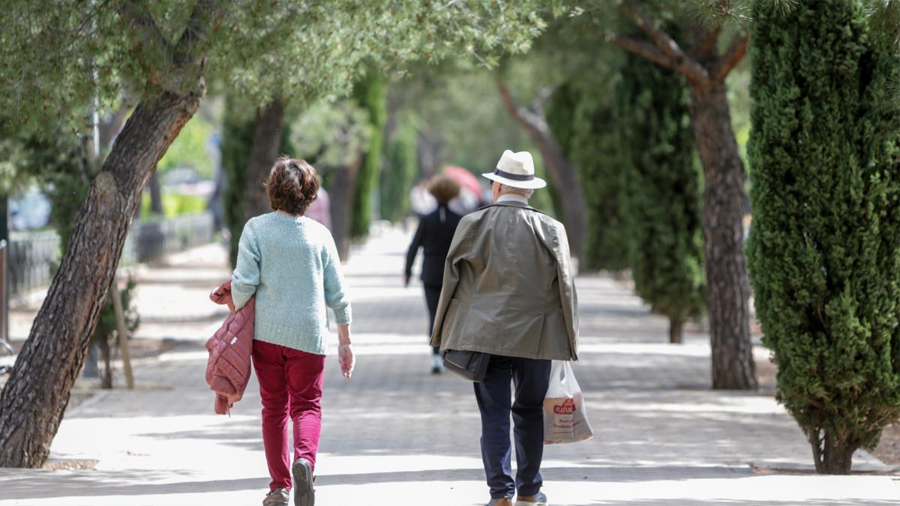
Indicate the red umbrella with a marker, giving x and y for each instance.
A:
(465, 178)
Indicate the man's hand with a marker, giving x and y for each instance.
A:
(346, 359)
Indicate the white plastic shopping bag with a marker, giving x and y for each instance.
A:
(565, 420)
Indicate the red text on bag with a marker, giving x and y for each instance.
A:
(566, 408)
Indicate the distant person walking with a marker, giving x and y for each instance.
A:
(291, 264)
(508, 292)
(320, 209)
(434, 235)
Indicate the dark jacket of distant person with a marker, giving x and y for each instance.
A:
(434, 235)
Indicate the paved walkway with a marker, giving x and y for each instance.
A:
(395, 435)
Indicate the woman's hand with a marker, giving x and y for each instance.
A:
(345, 350)
(346, 359)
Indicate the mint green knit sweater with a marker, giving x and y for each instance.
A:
(292, 266)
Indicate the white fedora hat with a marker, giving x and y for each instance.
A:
(516, 170)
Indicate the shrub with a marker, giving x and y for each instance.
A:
(661, 184)
(824, 254)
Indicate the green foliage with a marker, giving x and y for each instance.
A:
(580, 116)
(64, 54)
(661, 185)
(58, 160)
(238, 124)
(174, 204)
(371, 94)
(107, 326)
(823, 252)
(190, 149)
(331, 135)
(237, 140)
(402, 168)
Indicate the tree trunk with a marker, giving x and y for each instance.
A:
(112, 124)
(342, 192)
(156, 205)
(832, 457)
(562, 173)
(726, 266)
(676, 331)
(35, 398)
(264, 151)
(106, 381)
(4, 236)
(428, 149)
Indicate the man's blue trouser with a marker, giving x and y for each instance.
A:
(531, 378)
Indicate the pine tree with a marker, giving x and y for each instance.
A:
(824, 253)
(662, 194)
(165, 51)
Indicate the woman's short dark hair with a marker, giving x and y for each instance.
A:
(443, 188)
(292, 185)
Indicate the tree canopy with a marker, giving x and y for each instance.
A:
(58, 56)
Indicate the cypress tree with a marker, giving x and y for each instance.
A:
(823, 252)
(402, 169)
(371, 94)
(238, 126)
(580, 115)
(661, 186)
(237, 140)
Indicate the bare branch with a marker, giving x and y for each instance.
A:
(732, 57)
(681, 62)
(529, 120)
(651, 52)
(706, 40)
(638, 47)
(540, 98)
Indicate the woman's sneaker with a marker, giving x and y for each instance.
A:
(503, 501)
(438, 364)
(277, 497)
(532, 500)
(304, 493)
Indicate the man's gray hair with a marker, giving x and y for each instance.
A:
(516, 191)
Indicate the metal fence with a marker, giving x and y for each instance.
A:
(32, 260)
(151, 241)
(34, 256)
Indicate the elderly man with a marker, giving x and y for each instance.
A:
(508, 292)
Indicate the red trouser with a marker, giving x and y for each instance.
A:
(290, 383)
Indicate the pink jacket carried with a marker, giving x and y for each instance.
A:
(228, 368)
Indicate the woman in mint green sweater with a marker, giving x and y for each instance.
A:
(291, 264)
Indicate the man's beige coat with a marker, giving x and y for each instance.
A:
(508, 287)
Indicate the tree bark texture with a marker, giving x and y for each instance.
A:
(728, 289)
(830, 458)
(342, 193)
(724, 197)
(428, 150)
(264, 151)
(35, 398)
(156, 204)
(676, 331)
(106, 380)
(561, 171)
